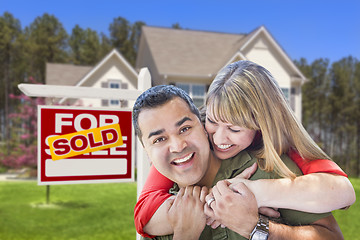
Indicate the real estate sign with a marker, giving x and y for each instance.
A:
(82, 145)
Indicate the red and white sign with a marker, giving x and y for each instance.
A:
(82, 145)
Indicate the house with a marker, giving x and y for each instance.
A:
(113, 71)
(190, 59)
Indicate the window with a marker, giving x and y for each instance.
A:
(286, 93)
(196, 91)
(116, 84)
(293, 93)
(289, 94)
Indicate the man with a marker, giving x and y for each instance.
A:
(169, 127)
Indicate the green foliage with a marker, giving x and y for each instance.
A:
(85, 46)
(331, 109)
(47, 42)
(88, 211)
(125, 37)
(176, 26)
(12, 65)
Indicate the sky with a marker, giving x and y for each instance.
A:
(309, 29)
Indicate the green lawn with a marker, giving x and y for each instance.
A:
(349, 219)
(92, 211)
(84, 211)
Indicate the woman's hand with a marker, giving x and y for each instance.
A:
(236, 210)
(244, 176)
(241, 178)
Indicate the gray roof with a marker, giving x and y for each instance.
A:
(65, 74)
(197, 53)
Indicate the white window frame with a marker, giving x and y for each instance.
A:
(191, 92)
(114, 103)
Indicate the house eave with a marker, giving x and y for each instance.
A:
(188, 76)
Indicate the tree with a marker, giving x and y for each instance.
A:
(85, 46)
(119, 33)
(76, 40)
(125, 37)
(331, 108)
(176, 26)
(23, 141)
(341, 99)
(134, 41)
(11, 67)
(314, 98)
(47, 42)
(357, 116)
(105, 45)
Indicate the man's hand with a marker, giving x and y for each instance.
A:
(186, 214)
(236, 209)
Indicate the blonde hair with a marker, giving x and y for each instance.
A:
(246, 94)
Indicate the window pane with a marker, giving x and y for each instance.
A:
(198, 90)
(198, 102)
(114, 102)
(185, 87)
(114, 85)
(286, 93)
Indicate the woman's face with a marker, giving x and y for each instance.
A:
(227, 139)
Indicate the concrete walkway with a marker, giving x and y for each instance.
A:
(14, 177)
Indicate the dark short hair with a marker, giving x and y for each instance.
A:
(158, 96)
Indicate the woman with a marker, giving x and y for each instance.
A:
(246, 110)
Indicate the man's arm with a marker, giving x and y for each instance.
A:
(325, 228)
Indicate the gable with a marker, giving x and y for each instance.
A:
(265, 51)
(112, 66)
(112, 69)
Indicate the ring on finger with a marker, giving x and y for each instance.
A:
(210, 201)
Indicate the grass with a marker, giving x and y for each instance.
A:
(89, 211)
(348, 220)
(92, 212)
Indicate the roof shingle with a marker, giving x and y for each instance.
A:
(197, 53)
(65, 74)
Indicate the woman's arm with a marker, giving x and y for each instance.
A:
(153, 195)
(315, 166)
(318, 191)
(315, 192)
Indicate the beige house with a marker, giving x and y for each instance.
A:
(113, 71)
(186, 58)
(190, 59)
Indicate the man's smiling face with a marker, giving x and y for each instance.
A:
(175, 141)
